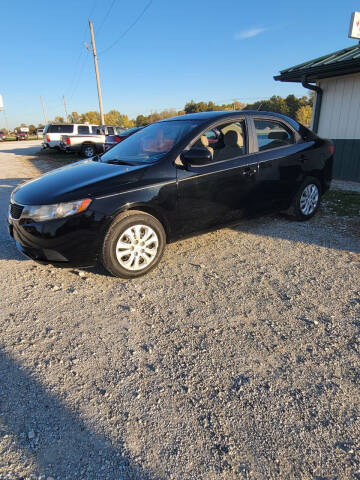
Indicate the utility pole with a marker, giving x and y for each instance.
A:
(43, 109)
(66, 114)
(97, 72)
(6, 121)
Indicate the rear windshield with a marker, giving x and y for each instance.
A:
(60, 129)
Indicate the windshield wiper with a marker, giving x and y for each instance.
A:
(122, 162)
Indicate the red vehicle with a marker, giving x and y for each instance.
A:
(2, 136)
(21, 135)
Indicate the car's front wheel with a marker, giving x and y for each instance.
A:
(133, 244)
(307, 200)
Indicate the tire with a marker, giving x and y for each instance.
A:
(88, 150)
(306, 200)
(123, 252)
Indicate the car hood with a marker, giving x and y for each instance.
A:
(79, 180)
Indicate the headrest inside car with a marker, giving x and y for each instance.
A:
(278, 136)
(232, 138)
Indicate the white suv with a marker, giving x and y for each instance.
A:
(53, 131)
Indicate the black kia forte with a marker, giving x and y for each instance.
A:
(174, 177)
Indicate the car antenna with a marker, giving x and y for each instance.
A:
(259, 107)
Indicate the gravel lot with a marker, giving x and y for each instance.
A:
(237, 358)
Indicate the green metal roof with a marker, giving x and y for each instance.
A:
(342, 62)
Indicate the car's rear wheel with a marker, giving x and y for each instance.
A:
(133, 244)
(88, 151)
(307, 200)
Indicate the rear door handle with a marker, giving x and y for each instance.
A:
(249, 171)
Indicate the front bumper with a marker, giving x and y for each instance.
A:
(72, 241)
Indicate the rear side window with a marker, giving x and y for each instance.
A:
(271, 134)
(110, 131)
(83, 130)
(60, 129)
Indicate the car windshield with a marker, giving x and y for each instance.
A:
(150, 143)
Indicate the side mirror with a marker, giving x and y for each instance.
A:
(195, 157)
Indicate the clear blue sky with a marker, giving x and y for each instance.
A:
(178, 51)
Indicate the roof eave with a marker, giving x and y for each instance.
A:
(318, 73)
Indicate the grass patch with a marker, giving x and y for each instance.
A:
(12, 139)
(59, 156)
(342, 203)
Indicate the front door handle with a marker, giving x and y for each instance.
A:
(248, 172)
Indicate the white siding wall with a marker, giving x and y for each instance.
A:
(340, 109)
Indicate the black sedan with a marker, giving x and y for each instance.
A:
(166, 181)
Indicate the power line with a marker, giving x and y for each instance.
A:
(128, 29)
(106, 15)
(78, 78)
(77, 74)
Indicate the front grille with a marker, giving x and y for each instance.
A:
(16, 210)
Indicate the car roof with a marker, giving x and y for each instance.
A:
(218, 115)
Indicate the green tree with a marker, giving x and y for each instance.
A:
(140, 120)
(311, 98)
(32, 129)
(192, 107)
(74, 117)
(58, 119)
(91, 117)
(304, 115)
(113, 117)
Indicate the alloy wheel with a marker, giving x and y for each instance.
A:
(309, 199)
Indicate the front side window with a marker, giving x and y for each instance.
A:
(271, 134)
(224, 142)
(83, 130)
(110, 130)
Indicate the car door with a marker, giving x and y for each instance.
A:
(222, 190)
(281, 156)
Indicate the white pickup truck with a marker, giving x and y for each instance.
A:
(53, 131)
(90, 144)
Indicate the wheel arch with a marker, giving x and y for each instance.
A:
(156, 213)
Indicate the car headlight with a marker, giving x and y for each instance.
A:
(40, 213)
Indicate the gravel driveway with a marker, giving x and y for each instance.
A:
(237, 358)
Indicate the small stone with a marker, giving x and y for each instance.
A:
(31, 434)
(126, 308)
(82, 274)
(55, 288)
